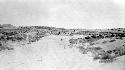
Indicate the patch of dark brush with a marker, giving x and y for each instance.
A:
(2, 48)
(105, 58)
(107, 61)
(112, 40)
(82, 50)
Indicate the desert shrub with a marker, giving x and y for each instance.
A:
(73, 41)
(82, 50)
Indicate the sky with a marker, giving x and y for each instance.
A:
(86, 14)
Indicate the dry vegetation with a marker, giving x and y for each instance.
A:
(105, 46)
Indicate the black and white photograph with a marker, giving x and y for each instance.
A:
(62, 34)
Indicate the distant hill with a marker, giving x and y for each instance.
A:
(7, 26)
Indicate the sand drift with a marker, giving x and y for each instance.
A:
(50, 48)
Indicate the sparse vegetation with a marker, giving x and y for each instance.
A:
(35, 33)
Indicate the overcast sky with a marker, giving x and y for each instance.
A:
(89, 14)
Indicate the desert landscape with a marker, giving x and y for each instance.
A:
(51, 48)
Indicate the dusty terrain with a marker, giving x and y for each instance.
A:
(61, 51)
(52, 54)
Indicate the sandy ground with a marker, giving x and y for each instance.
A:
(49, 54)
